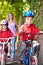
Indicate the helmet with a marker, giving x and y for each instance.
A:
(28, 14)
(4, 22)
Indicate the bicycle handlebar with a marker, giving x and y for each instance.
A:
(32, 34)
(5, 40)
(29, 33)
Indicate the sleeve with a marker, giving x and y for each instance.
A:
(36, 30)
(16, 26)
(0, 33)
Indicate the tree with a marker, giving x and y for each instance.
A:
(17, 7)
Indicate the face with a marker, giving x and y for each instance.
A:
(4, 27)
(28, 20)
(10, 16)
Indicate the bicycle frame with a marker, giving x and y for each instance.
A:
(29, 53)
(31, 56)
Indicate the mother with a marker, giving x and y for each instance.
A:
(13, 26)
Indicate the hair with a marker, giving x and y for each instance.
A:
(13, 19)
(12, 16)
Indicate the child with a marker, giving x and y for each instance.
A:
(6, 33)
(31, 29)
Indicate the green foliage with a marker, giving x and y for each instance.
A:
(17, 7)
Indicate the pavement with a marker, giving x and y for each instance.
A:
(16, 59)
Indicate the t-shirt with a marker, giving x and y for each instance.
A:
(6, 34)
(31, 29)
(12, 26)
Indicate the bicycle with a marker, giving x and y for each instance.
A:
(32, 51)
(3, 52)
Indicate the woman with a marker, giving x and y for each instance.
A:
(13, 26)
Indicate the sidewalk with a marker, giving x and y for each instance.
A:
(16, 59)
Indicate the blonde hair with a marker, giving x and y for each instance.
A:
(8, 18)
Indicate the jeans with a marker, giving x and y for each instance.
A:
(22, 51)
(13, 46)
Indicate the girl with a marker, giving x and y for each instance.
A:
(6, 33)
